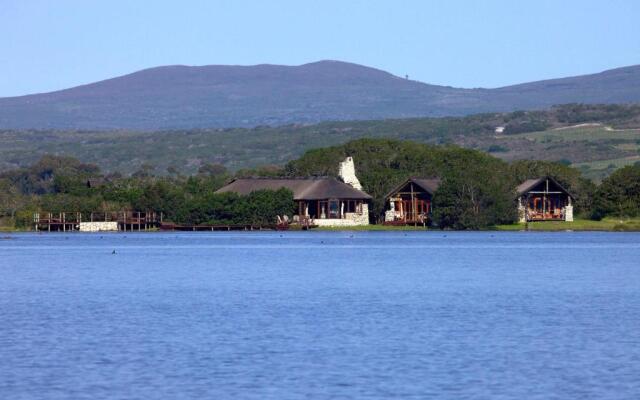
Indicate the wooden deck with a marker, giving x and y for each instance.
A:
(211, 228)
(70, 221)
(167, 226)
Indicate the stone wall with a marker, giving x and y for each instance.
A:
(350, 219)
(390, 215)
(98, 226)
(347, 172)
(522, 212)
(568, 213)
(340, 222)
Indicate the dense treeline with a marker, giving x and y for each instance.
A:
(62, 184)
(477, 190)
(618, 114)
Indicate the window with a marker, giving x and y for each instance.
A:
(350, 206)
(334, 209)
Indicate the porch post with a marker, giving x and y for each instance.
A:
(413, 203)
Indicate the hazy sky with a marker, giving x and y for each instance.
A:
(53, 44)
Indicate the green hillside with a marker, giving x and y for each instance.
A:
(596, 139)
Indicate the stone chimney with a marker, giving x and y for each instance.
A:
(347, 172)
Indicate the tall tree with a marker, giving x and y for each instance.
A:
(619, 194)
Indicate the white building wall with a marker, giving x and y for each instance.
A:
(98, 226)
(347, 172)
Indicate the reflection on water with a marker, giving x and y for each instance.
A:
(266, 315)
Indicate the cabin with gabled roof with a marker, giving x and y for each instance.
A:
(544, 199)
(410, 203)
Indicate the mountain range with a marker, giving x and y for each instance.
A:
(219, 96)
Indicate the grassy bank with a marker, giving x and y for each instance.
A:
(607, 224)
(373, 228)
(7, 224)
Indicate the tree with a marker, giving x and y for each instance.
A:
(619, 194)
(10, 198)
(46, 175)
(476, 192)
(212, 169)
(263, 206)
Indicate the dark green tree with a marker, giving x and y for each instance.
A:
(619, 194)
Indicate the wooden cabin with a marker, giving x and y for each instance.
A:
(325, 201)
(544, 199)
(411, 202)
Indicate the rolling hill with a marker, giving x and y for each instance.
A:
(215, 96)
(595, 138)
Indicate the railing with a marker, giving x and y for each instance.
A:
(409, 218)
(70, 221)
(556, 215)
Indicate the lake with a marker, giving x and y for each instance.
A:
(320, 315)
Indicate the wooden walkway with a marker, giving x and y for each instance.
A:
(211, 228)
(70, 221)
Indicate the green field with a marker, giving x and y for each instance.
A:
(596, 150)
(586, 133)
(598, 170)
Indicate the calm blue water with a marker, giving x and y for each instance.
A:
(320, 316)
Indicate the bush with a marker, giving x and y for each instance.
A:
(496, 148)
(258, 208)
(527, 126)
(24, 219)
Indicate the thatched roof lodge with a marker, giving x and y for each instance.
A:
(325, 201)
(411, 201)
(544, 199)
(316, 188)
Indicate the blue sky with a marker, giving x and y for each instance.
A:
(53, 44)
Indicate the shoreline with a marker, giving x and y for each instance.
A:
(579, 225)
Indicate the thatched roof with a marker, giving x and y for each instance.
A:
(530, 184)
(302, 188)
(527, 185)
(429, 185)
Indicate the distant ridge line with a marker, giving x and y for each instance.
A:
(221, 96)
